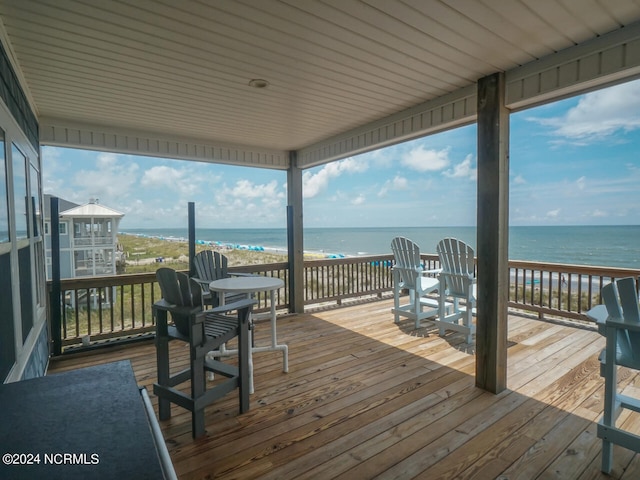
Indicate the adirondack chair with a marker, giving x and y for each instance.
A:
(211, 265)
(622, 330)
(203, 331)
(409, 274)
(457, 282)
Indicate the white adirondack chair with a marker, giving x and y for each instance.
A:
(457, 282)
(622, 330)
(408, 273)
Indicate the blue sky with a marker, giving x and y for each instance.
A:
(573, 162)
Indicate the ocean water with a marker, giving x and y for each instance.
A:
(614, 246)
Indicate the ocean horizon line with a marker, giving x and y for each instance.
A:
(596, 245)
(389, 227)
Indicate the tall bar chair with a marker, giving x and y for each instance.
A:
(204, 331)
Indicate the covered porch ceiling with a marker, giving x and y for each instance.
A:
(172, 79)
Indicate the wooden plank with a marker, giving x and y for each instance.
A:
(365, 397)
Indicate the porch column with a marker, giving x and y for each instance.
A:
(191, 215)
(295, 235)
(55, 295)
(493, 234)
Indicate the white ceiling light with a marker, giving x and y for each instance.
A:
(258, 83)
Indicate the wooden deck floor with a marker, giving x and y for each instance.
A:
(365, 398)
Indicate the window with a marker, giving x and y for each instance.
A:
(4, 205)
(20, 191)
(36, 213)
(62, 228)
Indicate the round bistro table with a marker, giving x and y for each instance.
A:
(253, 284)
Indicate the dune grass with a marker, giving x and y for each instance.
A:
(142, 252)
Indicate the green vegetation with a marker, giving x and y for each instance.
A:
(142, 252)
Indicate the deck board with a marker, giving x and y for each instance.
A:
(366, 398)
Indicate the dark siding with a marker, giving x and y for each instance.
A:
(13, 95)
(7, 342)
(26, 291)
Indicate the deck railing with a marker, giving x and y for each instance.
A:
(119, 306)
(561, 290)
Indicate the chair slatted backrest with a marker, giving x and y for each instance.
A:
(407, 260)
(457, 263)
(210, 265)
(178, 289)
(621, 299)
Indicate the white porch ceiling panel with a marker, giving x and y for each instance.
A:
(170, 78)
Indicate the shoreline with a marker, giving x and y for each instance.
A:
(610, 246)
(229, 246)
(146, 253)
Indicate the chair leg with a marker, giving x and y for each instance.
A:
(250, 362)
(244, 355)
(442, 310)
(610, 394)
(468, 321)
(162, 360)
(607, 456)
(197, 390)
(198, 380)
(396, 304)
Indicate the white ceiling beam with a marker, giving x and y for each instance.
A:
(603, 61)
(446, 112)
(62, 133)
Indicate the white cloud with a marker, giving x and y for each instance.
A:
(599, 114)
(519, 180)
(245, 189)
(581, 182)
(162, 176)
(397, 183)
(113, 179)
(106, 160)
(599, 213)
(359, 200)
(244, 202)
(553, 213)
(315, 183)
(50, 154)
(186, 180)
(423, 160)
(462, 170)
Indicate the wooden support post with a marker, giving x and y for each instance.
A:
(191, 211)
(493, 234)
(55, 299)
(295, 236)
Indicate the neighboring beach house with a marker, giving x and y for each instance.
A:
(88, 239)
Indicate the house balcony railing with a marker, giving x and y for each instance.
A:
(119, 306)
(93, 241)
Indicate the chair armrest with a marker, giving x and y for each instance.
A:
(228, 307)
(203, 283)
(465, 276)
(414, 270)
(433, 271)
(243, 274)
(620, 325)
(162, 304)
(598, 314)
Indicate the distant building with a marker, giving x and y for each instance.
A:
(88, 238)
